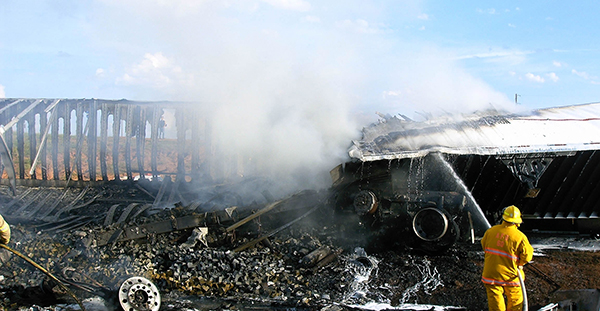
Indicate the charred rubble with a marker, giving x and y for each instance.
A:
(296, 252)
(299, 252)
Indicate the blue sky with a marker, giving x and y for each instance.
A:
(296, 80)
(389, 56)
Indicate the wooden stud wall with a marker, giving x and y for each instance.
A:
(91, 153)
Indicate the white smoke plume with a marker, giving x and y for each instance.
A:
(287, 83)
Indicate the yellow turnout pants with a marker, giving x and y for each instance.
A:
(514, 298)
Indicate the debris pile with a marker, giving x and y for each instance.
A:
(303, 267)
(319, 262)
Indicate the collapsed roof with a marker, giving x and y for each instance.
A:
(563, 129)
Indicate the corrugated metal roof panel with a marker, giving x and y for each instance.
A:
(546, 162)
(569, 188)
(573, 128)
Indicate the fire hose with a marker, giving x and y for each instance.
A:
(45, 272)
(522, 282)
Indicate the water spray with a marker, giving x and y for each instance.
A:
(363, 268)
(477, 212)
(430, 280)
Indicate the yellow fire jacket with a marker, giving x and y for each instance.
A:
(505, 248)
(4, 231)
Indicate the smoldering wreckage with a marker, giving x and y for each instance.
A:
(397, 229)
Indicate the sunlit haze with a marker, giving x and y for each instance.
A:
(291, 82)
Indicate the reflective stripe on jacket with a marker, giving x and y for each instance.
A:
(505, 248)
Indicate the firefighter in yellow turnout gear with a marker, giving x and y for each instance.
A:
(506, 250)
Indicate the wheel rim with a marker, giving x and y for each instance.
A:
(430, 224)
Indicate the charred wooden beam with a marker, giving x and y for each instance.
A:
(180, 145)
(21, 147)
(30, 199)
(51, 207)
(74, 137)
(327, 260)
(312, 258)
(164, 226)
(140, 141)
(8, 132)
(42, 148)
(68, 223)
(103, 140)
(55, 130)
(72, 205)
(32, 142)
(42, 202)
(110, 215)
(11, 105)
(130, 132)
(41, 152)
(126, 212)
(7, 208)
(116, 135)
(79, 134)
(141, 210)
(273, 232)
(8, 164)
(67, 141)
(92, 127)
(253, 216)
(156, 114)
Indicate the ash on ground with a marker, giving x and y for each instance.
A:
(315, 263)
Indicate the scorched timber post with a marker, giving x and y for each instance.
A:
(82, 141)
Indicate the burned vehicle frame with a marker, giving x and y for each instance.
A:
(417, 202)
(431, 183)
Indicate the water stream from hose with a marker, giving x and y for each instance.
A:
(472, 205)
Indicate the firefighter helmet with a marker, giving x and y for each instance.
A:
(512, 214)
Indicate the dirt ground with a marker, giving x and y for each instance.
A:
(402, 276)
(460, 268)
